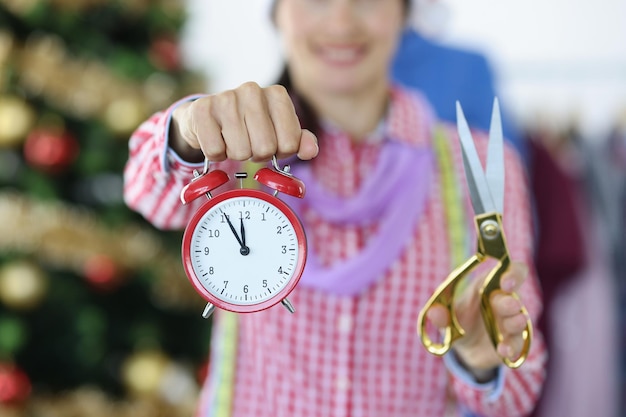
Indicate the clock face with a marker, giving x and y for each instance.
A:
(244, 250)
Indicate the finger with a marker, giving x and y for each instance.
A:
(514, 325)
(308, 145)
(438, 316)
(202, 130)
(260, 129)
(511, 347)
(505, 305)
(226, 109)
(512, 333)
(506, 350)
(513, 278)
(285, 120)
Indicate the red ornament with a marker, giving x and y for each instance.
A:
(15, 386)
(165, 53)
(50, 150)
(102, 273)
(203, 372)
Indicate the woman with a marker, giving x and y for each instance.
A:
(351, 348)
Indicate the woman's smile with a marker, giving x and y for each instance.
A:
(340, 55)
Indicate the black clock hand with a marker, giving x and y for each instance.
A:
(243, 232)
(244, 249)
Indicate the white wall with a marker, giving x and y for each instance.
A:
(233, 41)
(555, 60)
(558, 58)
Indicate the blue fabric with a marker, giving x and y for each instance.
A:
(444, 75)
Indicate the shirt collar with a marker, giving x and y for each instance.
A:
(410, 117)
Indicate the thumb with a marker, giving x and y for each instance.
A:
(308, 145)
(439, 316)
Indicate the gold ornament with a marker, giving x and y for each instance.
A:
(22, 285)
(16, 119)
(123, 115)
(179, 385)
(66, 237)
(143, 372)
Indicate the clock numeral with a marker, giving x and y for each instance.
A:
(284, 249)
(206, 250)
(262, 217)
(213, 233)
(280, 271)
(264, 283)
(225, 284)
(245, 289)
(279, 230)
(244, 215)
(211, 270)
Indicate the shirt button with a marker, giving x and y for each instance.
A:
(342, 383)
(344, 323)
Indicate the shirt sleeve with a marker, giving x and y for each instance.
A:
(154, 174)
(514, 392)
(492, 388)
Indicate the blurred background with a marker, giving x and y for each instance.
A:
(96, 315)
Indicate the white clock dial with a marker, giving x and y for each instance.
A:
(249, 260)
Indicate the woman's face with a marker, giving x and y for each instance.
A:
(339, 46)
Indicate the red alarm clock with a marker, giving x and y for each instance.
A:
(244, 250)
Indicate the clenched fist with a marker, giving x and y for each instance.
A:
(248, 122)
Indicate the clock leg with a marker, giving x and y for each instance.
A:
(288, 305)
(208, 310)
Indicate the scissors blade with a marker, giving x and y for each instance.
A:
(495, 159)
(477, 183)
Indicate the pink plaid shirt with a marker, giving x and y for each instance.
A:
(353, 356)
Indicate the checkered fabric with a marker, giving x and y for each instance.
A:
(353, 356)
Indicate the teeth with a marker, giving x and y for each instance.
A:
(343, 54)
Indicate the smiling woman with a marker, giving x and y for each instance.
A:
(382, 201)
(338, 53)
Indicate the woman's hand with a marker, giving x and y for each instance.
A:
(248, 122)
(475, 350)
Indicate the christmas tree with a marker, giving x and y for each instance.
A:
(96, 315)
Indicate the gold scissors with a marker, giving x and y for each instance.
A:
(487, 195)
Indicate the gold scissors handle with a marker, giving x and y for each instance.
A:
(444, 295)
(491, 243)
